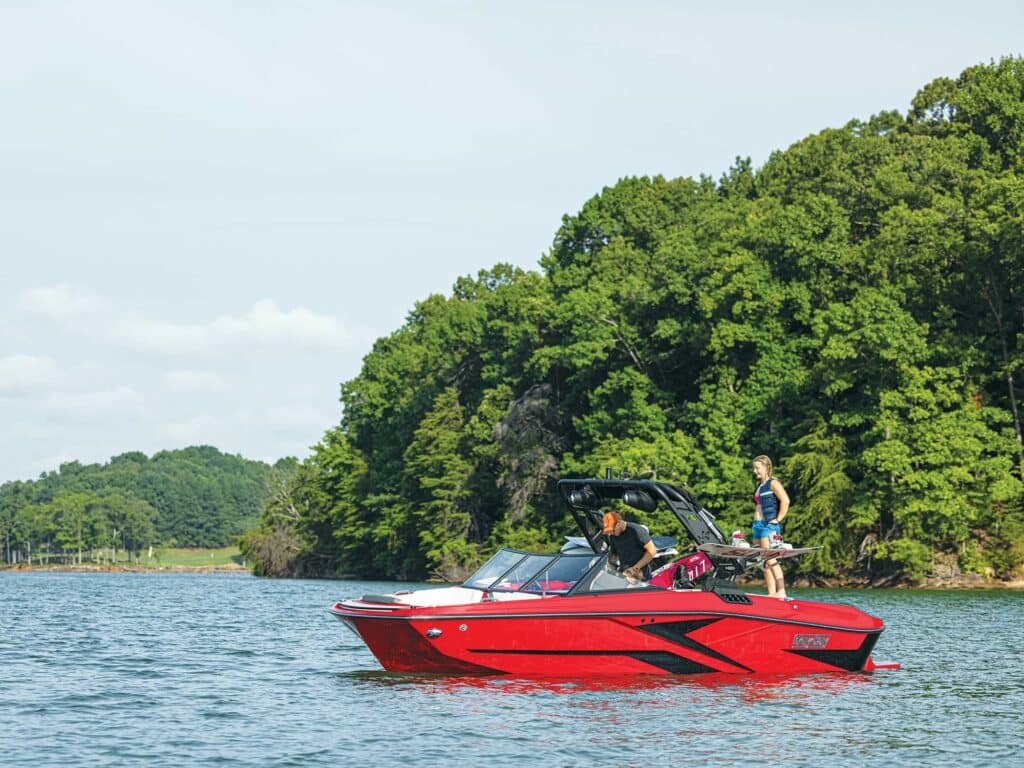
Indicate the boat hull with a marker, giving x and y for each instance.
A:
(660, 632)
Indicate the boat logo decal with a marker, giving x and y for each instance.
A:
(850, 660)
(463, 627)
(810, 641)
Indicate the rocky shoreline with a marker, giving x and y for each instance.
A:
(963, 581)
(966, 582)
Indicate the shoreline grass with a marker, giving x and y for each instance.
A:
(163, 558)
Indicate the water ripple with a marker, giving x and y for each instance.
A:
(189, 669)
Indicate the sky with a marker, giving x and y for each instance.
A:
(210, 210)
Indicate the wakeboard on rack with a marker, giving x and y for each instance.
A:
(754, 553)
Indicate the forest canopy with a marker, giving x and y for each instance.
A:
(193, 497)
(853, 308)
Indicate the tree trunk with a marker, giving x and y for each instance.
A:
(1016, 414)
(996, 306)
(1011, 389)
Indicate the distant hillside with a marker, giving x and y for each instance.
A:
(193, 497)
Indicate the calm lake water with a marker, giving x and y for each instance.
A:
(188, 669)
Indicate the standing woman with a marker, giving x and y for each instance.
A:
(771, 503)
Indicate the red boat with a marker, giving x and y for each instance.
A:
(571, 614)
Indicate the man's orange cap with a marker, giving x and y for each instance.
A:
(610, 520)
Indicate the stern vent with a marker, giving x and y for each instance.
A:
(735, 597)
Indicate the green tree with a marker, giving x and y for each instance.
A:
(71, 513)
(437, 475)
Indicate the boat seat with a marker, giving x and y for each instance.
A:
(380, 599)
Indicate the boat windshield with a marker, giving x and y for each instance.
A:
(521, 573)
(511, 571)
(562, 575)
(501, 563)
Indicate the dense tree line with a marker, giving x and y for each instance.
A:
(193, 497)
(854, 308)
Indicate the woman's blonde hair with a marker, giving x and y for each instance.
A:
(762, 459)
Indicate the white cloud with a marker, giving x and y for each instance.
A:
(300, 418)
(94, 405)
(201, 429)
(27, 375)
(194, 381)
(62, 302)
(29, 430)
(160, 338)
(264, 322)
(264, 325)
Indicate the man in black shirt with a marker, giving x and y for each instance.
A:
(631, 545)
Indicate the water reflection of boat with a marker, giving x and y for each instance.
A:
(571, 614)
(648, 689)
